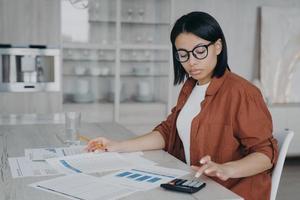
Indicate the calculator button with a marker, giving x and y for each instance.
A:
(193, 183)
(179, 182)
(198, 184)
(186, 183)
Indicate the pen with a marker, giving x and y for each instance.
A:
(86, 139)
(198, 174)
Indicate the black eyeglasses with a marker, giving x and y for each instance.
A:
(200, 52)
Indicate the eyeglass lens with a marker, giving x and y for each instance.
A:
(199, 52)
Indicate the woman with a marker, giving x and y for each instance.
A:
(220, 125)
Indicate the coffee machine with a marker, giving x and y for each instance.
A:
(29, 69)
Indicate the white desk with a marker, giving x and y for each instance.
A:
(15, 137)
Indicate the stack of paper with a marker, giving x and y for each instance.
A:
(53, 161)
(113, 186)
(137, 173)
(84, 187)
(34, 164)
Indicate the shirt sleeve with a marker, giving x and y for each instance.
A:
(254, 124)
(164, 128)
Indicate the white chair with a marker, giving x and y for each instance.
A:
(284, 138)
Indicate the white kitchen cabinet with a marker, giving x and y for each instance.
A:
(24, 23)
(30, 102)
(30, 22)
(126, 49)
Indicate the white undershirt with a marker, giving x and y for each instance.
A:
(184, 121)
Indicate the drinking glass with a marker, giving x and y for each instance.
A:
(72, 126)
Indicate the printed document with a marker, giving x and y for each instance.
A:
(24, 167)
(88, 163)
(143, 178)
(96, 162)
(83, 187)
(45, 153)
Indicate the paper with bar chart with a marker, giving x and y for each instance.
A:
(83, 187)
(143, 178)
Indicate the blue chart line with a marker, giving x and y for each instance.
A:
(153, 180)
(143, 178)
(138, 177)
(134, 175)
(67, 165)
(123, 174)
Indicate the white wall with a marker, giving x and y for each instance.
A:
(240, 21)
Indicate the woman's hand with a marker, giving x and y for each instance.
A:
(102, 144)
(210, 168)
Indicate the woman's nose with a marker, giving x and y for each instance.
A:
(192, 59)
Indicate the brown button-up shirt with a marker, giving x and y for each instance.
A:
(233, 122)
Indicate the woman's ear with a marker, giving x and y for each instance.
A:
(218, 45)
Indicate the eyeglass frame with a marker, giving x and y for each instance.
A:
(192, 51)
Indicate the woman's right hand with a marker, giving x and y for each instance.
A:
(102, 144)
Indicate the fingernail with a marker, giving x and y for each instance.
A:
(201, 161)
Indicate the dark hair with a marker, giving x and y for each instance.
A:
(205, 26)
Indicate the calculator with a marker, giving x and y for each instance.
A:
(183, 185)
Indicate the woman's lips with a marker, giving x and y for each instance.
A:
(195, 71)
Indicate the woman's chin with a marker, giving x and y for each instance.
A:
(202, 79)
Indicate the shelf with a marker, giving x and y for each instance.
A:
(143, 75)
(88, 104)
(122, 75)
(127, 103)
(139, 39)
(91, 20)
(92, 112)
(129, 22)
(97, 46)
(89, 59)
(145, 46)
(144, 60)
(89, 75)
(112, 60)
(145, 22)
(142, 104)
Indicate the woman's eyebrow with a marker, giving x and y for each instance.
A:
(200, 44)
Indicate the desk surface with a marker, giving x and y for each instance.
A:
(14, 138)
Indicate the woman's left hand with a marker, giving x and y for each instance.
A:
(210, 168)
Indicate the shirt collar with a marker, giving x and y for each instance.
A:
(216, 84)
(212, 89)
